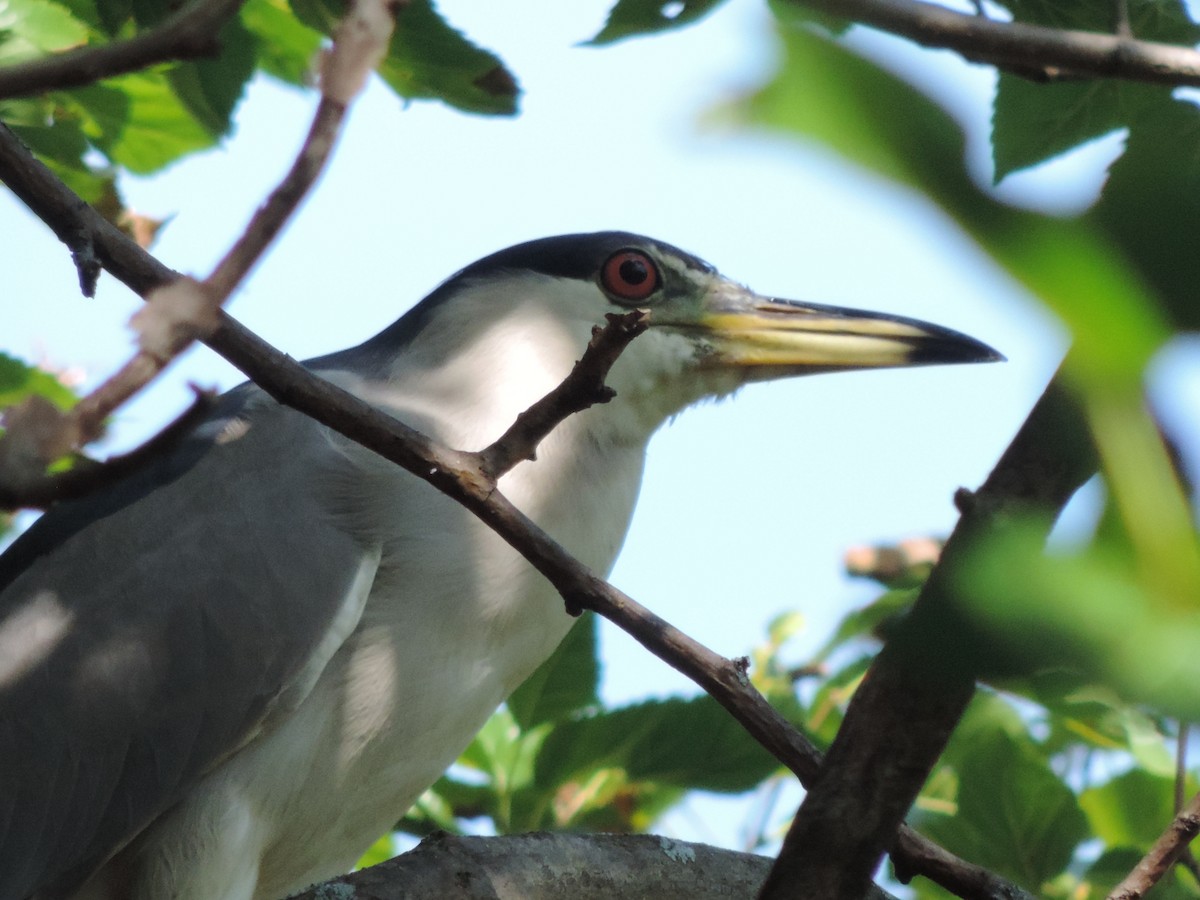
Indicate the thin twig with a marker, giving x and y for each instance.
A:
(1022, 47)
(582, 388)
(189, 33)
(1154, 865)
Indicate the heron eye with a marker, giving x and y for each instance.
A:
(629, 275)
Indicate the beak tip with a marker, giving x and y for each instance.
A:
(956, 349)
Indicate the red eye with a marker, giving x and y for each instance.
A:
(629, 275)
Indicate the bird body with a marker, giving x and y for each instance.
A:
(227, 676)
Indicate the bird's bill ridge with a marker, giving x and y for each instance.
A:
(768, 332)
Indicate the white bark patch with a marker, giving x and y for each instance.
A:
(173, 316)
(360, 44)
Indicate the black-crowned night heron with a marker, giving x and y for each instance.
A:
(228, 675)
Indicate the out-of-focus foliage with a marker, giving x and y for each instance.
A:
(144, 121)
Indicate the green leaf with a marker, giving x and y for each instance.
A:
(631, 18)
(211, 88)
(1131, 810)
(565, 683)
(138, 122)
(872, 620)
(1091, 610)
(30, 28)
(428, 59)
(19, 380)
(689, 743)
(286, 46)
(1159, 171)
(1013, 813)
(1032, 122)
(378, 852)
(112, 15)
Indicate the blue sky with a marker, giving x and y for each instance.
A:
(749, 504)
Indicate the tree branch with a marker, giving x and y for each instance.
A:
(189, 33)
(1170, 845)
(1023, 48)
(181, 310)
(899, 720)
(585, 867)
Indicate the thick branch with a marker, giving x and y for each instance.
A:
(899, 720)
(1021, 47)
(189, 33)
(1166, 850)
(583, 867)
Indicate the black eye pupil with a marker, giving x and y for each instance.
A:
(633, 271)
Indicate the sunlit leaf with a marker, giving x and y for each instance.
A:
(286, 47)
(139, 122)
(31, 28)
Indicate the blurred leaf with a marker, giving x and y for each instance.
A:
(827, 93)
(287, 48)
(30, 28)
(1159, 171)
(138, 121)
(1131, 810)
(691, 743)
(19, 380)
(563, 684)
(380, 851)
(1013, 815)
(1088, 610)
(868, 621)
(630, 18)
(826, 710)
(111, 15)
(1083, 713)
(211, 88)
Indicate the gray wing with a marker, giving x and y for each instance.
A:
(146, 633)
